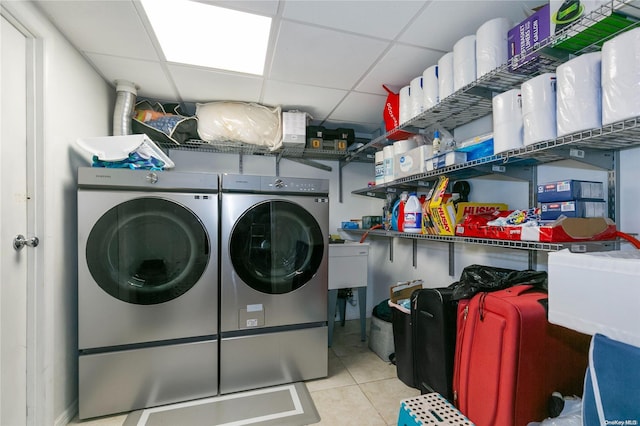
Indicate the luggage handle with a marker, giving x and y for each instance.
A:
(427, 314)
(630, 238)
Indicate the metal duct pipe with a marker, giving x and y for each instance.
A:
(126, 92)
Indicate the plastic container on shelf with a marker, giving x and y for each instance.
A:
(436, 143)
(397, 214)
(412, 215)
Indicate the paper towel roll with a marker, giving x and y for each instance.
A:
(405, 104)
(492, 45)
(416, 96)
(621, 77)
(539, 108)
(387, 153)
(464, 62)
(507, 121)
(445, 76)
(430, 87)
(578, 95)
(400, 147)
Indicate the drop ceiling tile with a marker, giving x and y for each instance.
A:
(317, 101)
(360, 108)
(204, 85)
(443, 23)
(321, 57)
(371, 18)
(104, 27)
(149, 76)
(260, 7)
(397, 68)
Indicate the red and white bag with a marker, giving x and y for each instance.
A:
(391, 115)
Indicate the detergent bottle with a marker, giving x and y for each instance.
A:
(397, 216)
(413, 215)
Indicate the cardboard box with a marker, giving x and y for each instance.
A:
(442, 209)
(567, 190)
(596, 293)
(403, 290)
(526, 36)
(448, 158)
(563, 13)
(465, 208)
(294, 128)
(573, 208)
(559, 231)
(411, 162)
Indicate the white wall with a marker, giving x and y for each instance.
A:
(75, 102)
(78, 103)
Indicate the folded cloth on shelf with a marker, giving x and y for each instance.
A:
(134, 161)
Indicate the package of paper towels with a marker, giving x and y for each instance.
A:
(387, 157)
(430, 87)
(492, 45)
(507, 121)
(445, 75)
(464, 62)
(539, 108)
(405, 104)
(621, 77)
(415, 94)
(579, 96)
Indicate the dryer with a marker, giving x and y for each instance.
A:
(274, 274)
(147, 288)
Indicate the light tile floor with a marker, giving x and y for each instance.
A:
(360, 389)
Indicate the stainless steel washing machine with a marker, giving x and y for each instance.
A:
(273, 269)
(147, 288)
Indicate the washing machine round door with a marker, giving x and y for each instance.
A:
(147, 251)
(276, 247)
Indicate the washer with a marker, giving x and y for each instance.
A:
(147, 288)
(273, 269)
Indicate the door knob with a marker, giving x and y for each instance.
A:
(20, 241)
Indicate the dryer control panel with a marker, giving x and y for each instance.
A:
(274, 184)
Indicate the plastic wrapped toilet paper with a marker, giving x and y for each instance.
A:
(507, 121)
(464, 62)
(621, 77)
(416, 96)
(430, 87)
(387, 153)
(539, 108)
(578, 95)
(400, 147)
(445, 76)
(405, 104)
(492, 45)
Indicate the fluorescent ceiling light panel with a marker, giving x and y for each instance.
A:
(201, 34)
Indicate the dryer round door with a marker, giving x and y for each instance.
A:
(276, 247)
(147, 250)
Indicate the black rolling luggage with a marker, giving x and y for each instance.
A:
(434, 339)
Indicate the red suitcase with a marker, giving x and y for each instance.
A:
(509, 359)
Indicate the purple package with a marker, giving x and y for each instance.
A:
(526, 36)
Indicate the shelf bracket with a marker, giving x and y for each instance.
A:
(452, 266)
(521, 173)
(598, 158)
(415, 253)
(391, 239)
(309, 163)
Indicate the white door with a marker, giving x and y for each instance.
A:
(13, 221)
